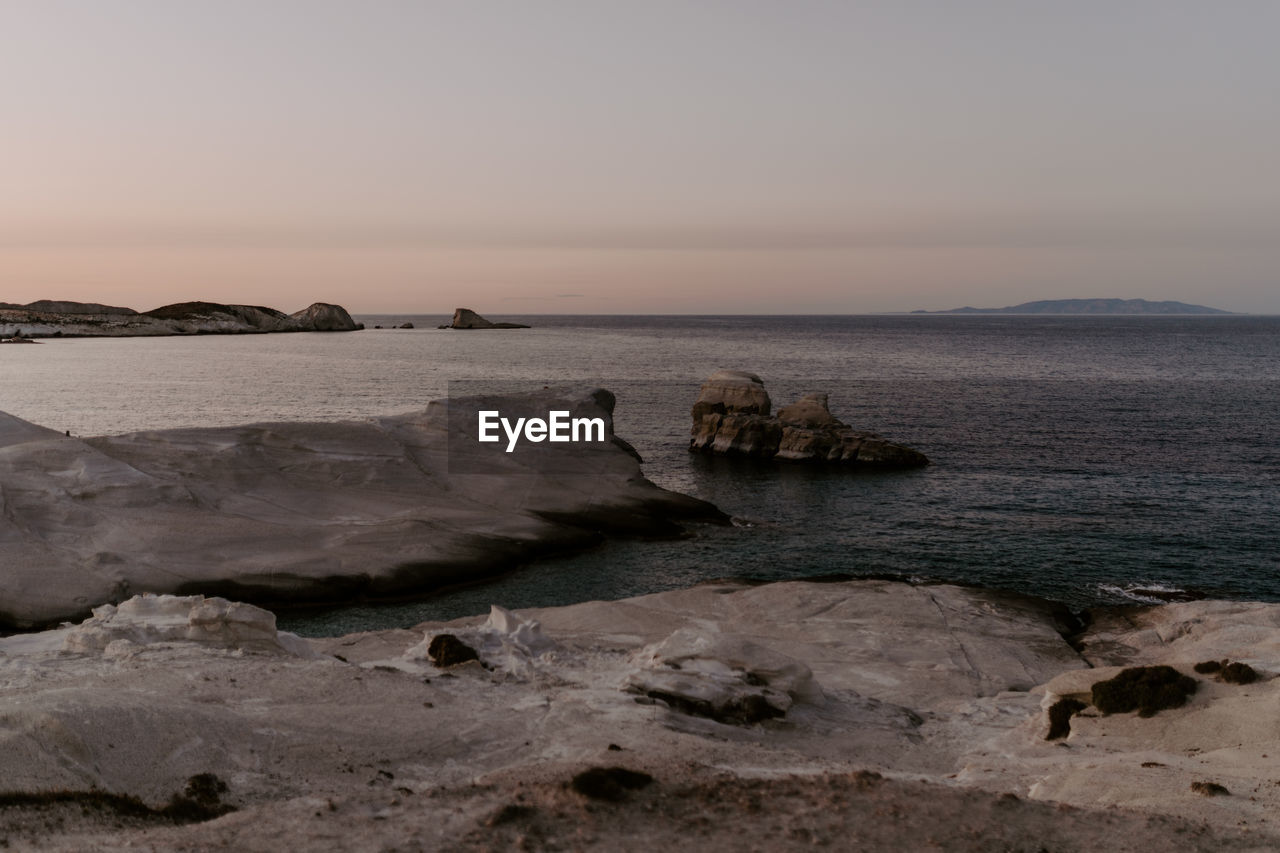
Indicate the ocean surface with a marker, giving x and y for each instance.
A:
(1086, 459)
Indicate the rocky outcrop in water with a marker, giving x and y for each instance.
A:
(320, 317)
(465, 318)
(50, 319)
(732, 417)
(310, 512)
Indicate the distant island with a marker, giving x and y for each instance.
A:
(465, 318)
(1089, 306)
(57, 319)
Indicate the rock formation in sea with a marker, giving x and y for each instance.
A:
(732, 417)
(465, 318)
(796, 715)
(309, 512)
(47, 318)
(320, 317)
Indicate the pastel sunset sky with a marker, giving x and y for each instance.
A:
(639, 157)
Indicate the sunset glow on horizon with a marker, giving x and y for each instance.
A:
(665, 157)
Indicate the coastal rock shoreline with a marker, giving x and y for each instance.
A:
(907, 716)
(310, 513)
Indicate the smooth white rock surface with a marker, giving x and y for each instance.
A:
(306, 511)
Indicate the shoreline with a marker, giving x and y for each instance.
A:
(310, 511)
(1079, 616)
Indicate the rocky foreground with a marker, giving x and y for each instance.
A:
(58, 319)
(309, 512)
(862, 715)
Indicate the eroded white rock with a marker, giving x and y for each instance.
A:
(117, 630)
(307, 512)
(506, 642)
(722, 676)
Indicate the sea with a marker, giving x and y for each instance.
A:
(1089, 460)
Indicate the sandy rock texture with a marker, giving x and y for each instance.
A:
(914, 718)
(49, 318)
(308, 511)
(731, 417)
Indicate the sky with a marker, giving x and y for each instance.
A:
(639, 157)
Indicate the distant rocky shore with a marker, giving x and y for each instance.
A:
(732, 417)
(55, 319)
(465, 318)
(1166, 307)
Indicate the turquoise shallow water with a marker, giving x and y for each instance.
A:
(1078, 458)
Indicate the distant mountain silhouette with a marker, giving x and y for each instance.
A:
(1089, 306)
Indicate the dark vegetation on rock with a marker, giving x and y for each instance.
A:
(1060, 715)
(1210, 789)
(1145, 689)
(732, 417)
(609, 783)
(200, 800)
(1228, 671)
(510, 813)
(743, 711)
(197, 310)
(447, 650)
(1238, 673)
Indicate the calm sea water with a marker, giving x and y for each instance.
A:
(1082, 459)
